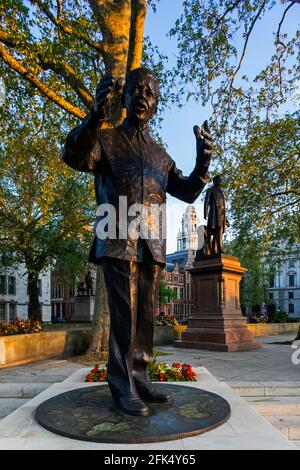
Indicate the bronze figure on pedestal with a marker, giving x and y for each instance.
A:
(130, 166)
(215, 214)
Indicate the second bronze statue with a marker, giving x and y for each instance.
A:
(129, 165)
(215, 213)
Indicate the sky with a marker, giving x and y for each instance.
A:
(177, 126)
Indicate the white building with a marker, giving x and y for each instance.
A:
(187, 238)
(284, 289)
(14, 294)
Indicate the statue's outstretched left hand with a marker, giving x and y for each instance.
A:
(205, 145)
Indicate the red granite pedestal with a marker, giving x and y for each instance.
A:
(216, 323)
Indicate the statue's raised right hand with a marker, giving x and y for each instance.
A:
(107, 88)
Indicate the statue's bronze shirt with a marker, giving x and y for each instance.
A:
(128, 162)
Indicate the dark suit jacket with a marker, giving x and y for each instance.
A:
(128, 163)
(214, 205)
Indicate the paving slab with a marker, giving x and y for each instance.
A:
(289, 426)
(266, 389)
(49, 371)
(245, 429)
(21, 390)
(8, 405)
(276, 406)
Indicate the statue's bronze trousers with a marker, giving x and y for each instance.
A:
(132, 290)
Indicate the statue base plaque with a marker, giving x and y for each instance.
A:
(216, 323)
(89, 414)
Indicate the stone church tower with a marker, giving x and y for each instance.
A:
(187, 238)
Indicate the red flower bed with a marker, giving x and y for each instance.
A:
(158, 372)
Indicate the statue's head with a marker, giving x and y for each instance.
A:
(217, 180)
(141, 95)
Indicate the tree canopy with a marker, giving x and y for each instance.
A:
(213, 38)
(46, 210)
(263, 180)
(56, 51)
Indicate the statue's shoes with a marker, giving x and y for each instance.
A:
(132, 405)
(148, 393)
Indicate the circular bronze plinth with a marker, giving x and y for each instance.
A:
(89, 414)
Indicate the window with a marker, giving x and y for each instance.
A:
(291, 263)
(40, 287)
(291, 308)
(178, 309)
(3, 285)
(272, 282)
(72, 291)
(58, 291)
(11, 285)
(291, 280)
(2, 312)
(175, 292)
(181, 293)
(291, 295)
(12, 311)
(271, 296)
(58, 310)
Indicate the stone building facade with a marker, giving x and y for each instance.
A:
(284, 287)
(175, 273)
(14, 294)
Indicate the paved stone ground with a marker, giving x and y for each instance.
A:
(50, 371)
(19, 384)
(272, 363)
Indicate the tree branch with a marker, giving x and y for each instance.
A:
(246, 43)
(284, 46)
(137, 22)
(286, 193)
(33, 79)
(281, 23)
(99, 46)
(60, 67)
(229, 9)
(66, 71)
(285, 206)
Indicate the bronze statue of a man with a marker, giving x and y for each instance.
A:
(129, 165)
(215, 207)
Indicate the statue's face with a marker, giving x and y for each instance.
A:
(141, 99)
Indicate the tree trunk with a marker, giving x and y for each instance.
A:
(122, 27)
(99, 344)
(34, 307)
